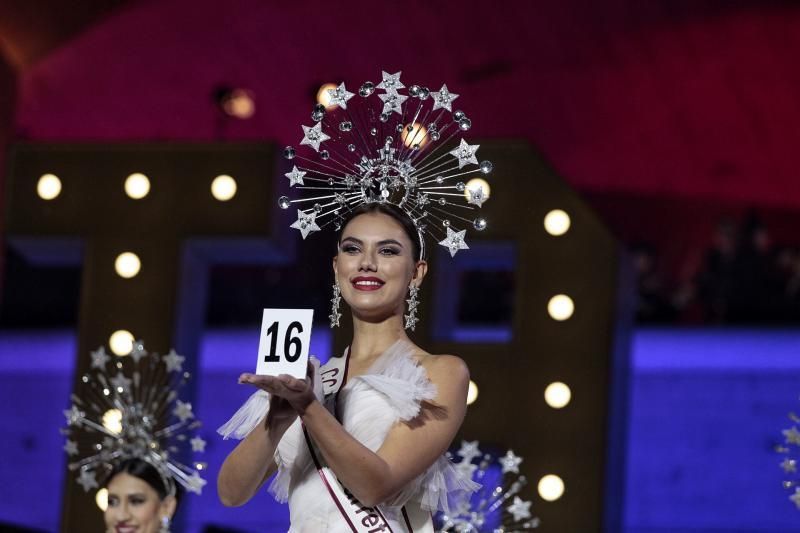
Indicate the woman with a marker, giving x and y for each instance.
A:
(395, 415)
(138, 499)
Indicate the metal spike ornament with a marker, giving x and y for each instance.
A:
(497, 507)
(790, 449)
(130, 409)
(388, 147)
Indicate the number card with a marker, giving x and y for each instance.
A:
(285, 336)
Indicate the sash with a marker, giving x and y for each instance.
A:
(359, 517)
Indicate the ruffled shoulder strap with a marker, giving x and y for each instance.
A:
(442, 487)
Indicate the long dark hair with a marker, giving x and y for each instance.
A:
(394, 212)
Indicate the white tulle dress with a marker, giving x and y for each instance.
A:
(369, 405)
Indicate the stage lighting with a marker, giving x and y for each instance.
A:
(112, 421)
(324, 98)
(551, 487)
(557, 222)
(127, 265)
(121, 342)
(557, 395)
(137, 186)
(415, 135)
(237, 103)
(101, 498)
(560, 307)
(475, 184)
(472, 393)
(223, 188)
(48, 187)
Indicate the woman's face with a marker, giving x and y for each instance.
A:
(375, 266)
(134, 506)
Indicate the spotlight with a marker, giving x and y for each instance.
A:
(223, 188)
(324, 98)
(121, 342)
(472, 393)
(557, 222)
(101, 499)
(560, 307)
(236, 103)
(415, 135)
(551, 487)
(112, 421)
(48, 187)
(557, 395)
(127, 265)
(137, 186)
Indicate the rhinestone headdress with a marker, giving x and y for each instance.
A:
(130, 409)
(790, 449)
(385, 146)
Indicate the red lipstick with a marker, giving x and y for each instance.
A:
(367, 283)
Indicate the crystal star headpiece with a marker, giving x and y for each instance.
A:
(130, 409)
(497, 506)
(384, 146)
(790, 449)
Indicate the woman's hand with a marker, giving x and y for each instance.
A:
(290, 396)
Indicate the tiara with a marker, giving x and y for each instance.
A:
(134, 414)
(387, 147)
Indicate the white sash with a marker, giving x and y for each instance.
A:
(359, 517)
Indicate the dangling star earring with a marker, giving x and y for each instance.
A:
(164, 524)
(335, 314)
(413, 302)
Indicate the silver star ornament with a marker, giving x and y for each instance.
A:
(465, 153)
(295, 176)
(454, 241)
(314, 136)
(510, 462)
(100, 358)
(71, 447)
(391, 82)
(198, 444)
(476, 196)
(306, 222)
(340, 96)
(183, 410)
(87, 480)
(392, 102)
(173, 361)
(469, 450)
(137, 351)
(792, 435)
(520, 509)
(443, 99)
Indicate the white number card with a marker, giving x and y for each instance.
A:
(285, 336)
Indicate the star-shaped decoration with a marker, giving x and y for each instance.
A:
(340, 198)
(510, 462)
(340, 96)
(349, 181)
(792, 435)
(411, 321)
(795, 498)
(120, 382)
(392, 102)
(412, 301)
(466, 468)
(173, 361)
(198, 444)
(789, 465)
(422, 199)
(100, 358)
(476, 196)
(71, 447)
(520, 509)
(87, 480)
(183, 410)
(465, 153)
(443, 99)
(295, 176)
(454, 241)
(314, 136)
(391, 82)
(73, 415)
(137, 351)
(469, 450)
(195, 483)
(306, 222)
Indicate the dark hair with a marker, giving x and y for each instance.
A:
(394, 212)
(144, 471)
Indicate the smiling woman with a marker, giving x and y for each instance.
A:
(138, 501)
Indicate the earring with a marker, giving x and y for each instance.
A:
(164, 525)
(413, 302)
(335, 314)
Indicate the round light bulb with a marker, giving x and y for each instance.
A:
(223, 188)
(324, 98)
(127, 265)
(477, 183)
(472, 393)
(121, 342)
(101, 499)
(137, 186)
(112, 421)
(240, 104)
(557, 395)
(414, 134)
(551, 487)
(557, 222)
(560, 307)
(48, 187)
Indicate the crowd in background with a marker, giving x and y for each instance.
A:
(744, 278)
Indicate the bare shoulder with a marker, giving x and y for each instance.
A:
(445, 368)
